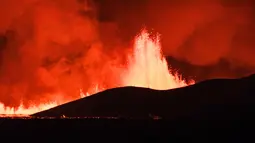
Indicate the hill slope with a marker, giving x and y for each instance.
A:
(212, 99)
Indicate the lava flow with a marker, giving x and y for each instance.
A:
(146, 67)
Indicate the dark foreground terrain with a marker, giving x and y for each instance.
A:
(120, 130)
(210, 111)
(217, 99)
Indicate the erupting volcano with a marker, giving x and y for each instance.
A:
(146, 67)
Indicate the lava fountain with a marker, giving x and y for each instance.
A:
(146, 67)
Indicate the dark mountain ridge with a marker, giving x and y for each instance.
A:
(211, 99)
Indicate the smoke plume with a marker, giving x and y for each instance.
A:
(203, 32)
(50, 49)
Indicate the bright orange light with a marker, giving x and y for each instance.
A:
(146, 67)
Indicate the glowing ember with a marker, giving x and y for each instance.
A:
(94, 90)
(91, 91)
(146, 68)
(82, 94)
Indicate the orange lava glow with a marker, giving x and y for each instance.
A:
(146, 67)
(21, 111)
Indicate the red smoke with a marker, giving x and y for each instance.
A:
(49, 44)
(203, 32)
(60, 46)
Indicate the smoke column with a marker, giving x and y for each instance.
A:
(45, 46)
(203, 32)
(199, 32)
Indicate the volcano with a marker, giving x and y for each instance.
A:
(211, 99)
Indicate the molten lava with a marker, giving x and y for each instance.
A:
(21, 111)
(146, 67)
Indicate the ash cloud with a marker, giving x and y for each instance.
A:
(49, 50)
(204, 32)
